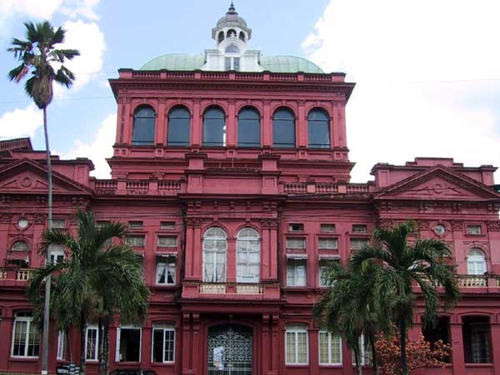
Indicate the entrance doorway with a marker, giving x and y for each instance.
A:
(230, 350)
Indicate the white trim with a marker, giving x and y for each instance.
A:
(96, 350)
(295, 329)
(118, 335)
(296, 256)
(329, 256)
(164, 328)
(330, 344)
(29, 326)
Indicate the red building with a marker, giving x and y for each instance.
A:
(232, 172)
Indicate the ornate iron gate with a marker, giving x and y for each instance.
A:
(230, 350)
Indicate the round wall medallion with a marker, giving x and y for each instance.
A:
(26, 182)
(22, 223)
(439, 229)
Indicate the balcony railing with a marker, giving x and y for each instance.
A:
(136, 187)
(232, 288)
(17, 274)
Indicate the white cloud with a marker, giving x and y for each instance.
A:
(418, 66)
(82, 8)
(21, 122)
(99, 148)
(31, 8)
(87, 38)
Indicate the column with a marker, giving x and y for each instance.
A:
(198, 355)
(265, 263)
(127, 124)
(196, 124)
(267, 125)
(457, 345)
(231, 125)
(313, 351)
(146, 347)
(495, 343)
(186, 352)
(275, 345)
(160, 131)
(188, 266)
(197, 252)
(6, 331)
(273, 251)
(266, 345)
(231, 260)
(301, 126)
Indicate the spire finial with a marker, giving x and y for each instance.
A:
(231, 7)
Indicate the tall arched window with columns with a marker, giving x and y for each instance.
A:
(214, 255)
(248, 256)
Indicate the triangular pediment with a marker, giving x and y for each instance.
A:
(438, 184)
(26, 176)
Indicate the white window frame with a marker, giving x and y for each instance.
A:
(56, 251)
(164, 328)
(291, 267)
(358, 239)
(471, 227)
(298, 246)
(327, 239)
(95, 357)
(118, 339)
(135, 242)
(58, 223)
(167, 261)
(244, 246)
(476, 262)
(61, 345)
(295, 330)
(29, 327)
(330, 343)
(215, 254)
(323, 268)
(162, 237)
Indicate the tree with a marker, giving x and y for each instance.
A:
(401, 265)
(98, 281)
(38, 54)
(350, 308)
(421, 354)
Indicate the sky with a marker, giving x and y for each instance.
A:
(427, 72)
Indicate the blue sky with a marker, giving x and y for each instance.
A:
(427, 73)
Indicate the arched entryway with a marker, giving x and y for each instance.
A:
(230, 350)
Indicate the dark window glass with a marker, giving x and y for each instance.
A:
(248, 128)
(231, 33)
(242, 36)
(143, 133)
(214, 127)
(179, 123)
(236, 63)
(476, 332)
(283, 128)
(318, 125)
(221, 36)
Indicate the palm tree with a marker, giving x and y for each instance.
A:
(400, 265)
(351, 309)
(38, 55)
(97, 281)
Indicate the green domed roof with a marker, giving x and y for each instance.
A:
(288, 64)
(275, 64)
(175, 61)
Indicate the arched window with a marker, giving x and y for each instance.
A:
(247, 256)
(20, 246)
(242, 36)
(143, 133)
(214, 127)
(179, 124)
(318, 129)
(214, 255)
(283, 128)
(248, 128)
(232, 49)
(221, 37)
(476, 262)
(231, 33)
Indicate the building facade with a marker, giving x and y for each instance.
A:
(232, 171)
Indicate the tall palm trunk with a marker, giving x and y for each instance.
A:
(357, 361)
(46, 310)
(83, 354)
(371, 337)
(402, 341)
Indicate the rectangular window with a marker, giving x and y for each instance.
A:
(61, 346)
(359, 243)
(236, 63)
(297, 345)
(137, 241)
(167, 225)
(327, 228)
(328, 243)
(25, 337)
(58, 223)
(296, 227)
(135, 225)
(128, 344)
(91, 343)
(163, 343)
(477, 339)
(330, 349)
(297, 243)
(296, 272)
(227, 63)
(359, 228)
(56, 253)
(166, 241)
(474, 230)
(165, 270)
